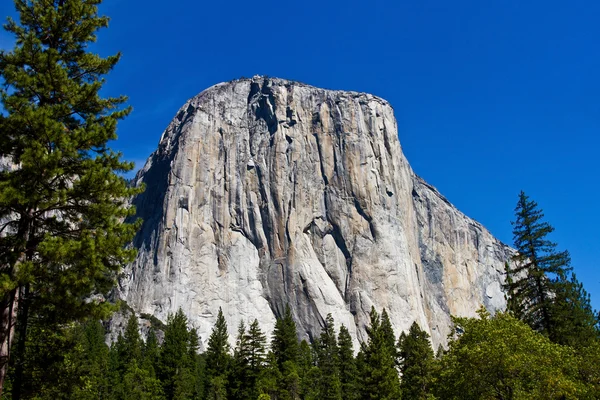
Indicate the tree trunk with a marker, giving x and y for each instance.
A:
(20, 350)
(8, 320)
(9, 306)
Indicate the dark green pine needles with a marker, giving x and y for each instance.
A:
(62, 200)
(541, 291)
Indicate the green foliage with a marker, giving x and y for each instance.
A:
(348, 369)
(217, 353)
(133, 341)
(378, 375)
(417, 363)
(529, 285)
(503, 358)
(538, 286)
(308, 371)
(138, 383)
(285, 339)
(174, 362)
(156, 323)
(491, 358)
(241, 384)
(248, 361)
(268, 383)
(151, 353)
(328, 362)
(257, 342)
(65, 202)
(576, 324)
(67, 362)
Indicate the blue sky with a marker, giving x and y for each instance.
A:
(492, 97)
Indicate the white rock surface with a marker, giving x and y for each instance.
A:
(264, 192)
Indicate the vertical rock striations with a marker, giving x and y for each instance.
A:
(264, 192)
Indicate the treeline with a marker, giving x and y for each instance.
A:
(488, 357)
(545, 346)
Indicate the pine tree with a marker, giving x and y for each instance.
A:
(308, 371)
(257, 342)
(388, 333)
(576, 324)
(62, 203)
(241, 384)
(218, 360)
(379, 378)
(538, 286)
(68, 362)
(94, 363)
(270, 377)
(529, 280)
(174, 354)
(132, 341)
(328, 362)
(348, 370)
(138, 383)
(115, 368)
(416, 363)
(151, 353)
(285, 340)
(196, 361)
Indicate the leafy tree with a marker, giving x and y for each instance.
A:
(416, 363)
(501, 357)
(285, 339)
(62, 202)
(348, 370)
(379, 378)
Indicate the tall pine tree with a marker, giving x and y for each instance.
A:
(377, 362)
(285, 339)
(174, 354)
(529, 283)
(348, 370)
(62, 203)
(416, 363)
(218, 360)
(328, 362)
(540, 288)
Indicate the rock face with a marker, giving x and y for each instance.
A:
(265, 192)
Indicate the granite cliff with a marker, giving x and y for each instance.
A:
(264, 192)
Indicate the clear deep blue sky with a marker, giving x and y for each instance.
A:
(492, 97)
